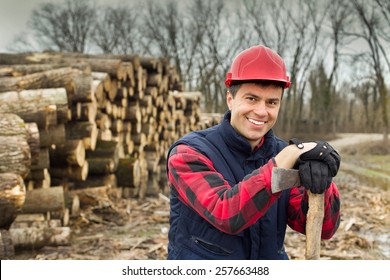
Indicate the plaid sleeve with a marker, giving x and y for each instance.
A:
(298, 208)
(194, 179)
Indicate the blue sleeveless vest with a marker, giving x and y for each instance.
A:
(192, 237)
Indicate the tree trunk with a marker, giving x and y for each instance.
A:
(18, 70)
(36, 238)
(77, 173)
(44, 200)
(71, 153)
(54, 135)
(33, 141)
(12, 197)
(57, 78)
(15, 155)
(28, 103)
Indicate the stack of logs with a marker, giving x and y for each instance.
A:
(90, 122)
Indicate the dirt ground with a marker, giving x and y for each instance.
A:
(137, 229)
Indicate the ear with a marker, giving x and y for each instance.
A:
(229, 100)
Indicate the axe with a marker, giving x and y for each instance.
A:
(283, 179)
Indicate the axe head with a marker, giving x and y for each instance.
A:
(283, 179)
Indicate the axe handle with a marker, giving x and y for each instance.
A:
(314, 221)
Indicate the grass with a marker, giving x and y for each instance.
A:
(374, 170)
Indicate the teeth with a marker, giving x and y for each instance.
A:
(255, 122)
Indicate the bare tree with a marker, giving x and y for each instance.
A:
(105, 33)
(162, 30)
(211, 54)
(117, 30)
(324, 107)
(370, 24)
(306, 20)
(270, 22)
(64, 27)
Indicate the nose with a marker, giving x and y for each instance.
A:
(260, 109)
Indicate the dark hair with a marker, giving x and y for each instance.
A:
(235, 86)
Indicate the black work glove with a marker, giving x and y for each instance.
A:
(316, 175)
(323, 152)
(317, 166)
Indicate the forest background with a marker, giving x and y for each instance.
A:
(336, 52)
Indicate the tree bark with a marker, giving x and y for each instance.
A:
(44, 200)
(71, 153)
(15, 155)
(28, 103)
(35, 238)
(12, 197)
(33, 141)
(57, 78)
(77, 173)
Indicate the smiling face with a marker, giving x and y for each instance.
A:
(254, 110)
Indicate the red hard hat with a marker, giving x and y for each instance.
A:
(257, 63)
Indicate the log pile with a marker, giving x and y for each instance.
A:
(102, 120)
(90, 123)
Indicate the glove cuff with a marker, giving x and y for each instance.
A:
(297, 143)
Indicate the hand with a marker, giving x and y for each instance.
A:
(321, 152)
(316, 176)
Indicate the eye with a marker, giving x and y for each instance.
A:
(273, 102)
(250, 98)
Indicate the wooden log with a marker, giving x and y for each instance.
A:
(7, 250)
(30, 218)
(71, 153)
(103, 121)
(128, 173)
(143, 184)
(57, 78)
(43, 182)
(94, 196)
(37, 220)
(79, 130)
(77, 173)
(86, 111)
(152, 64)
(53, 135)
(18, 70)
(12, 125)
(28, 102)
(101, 166)
(15, 155)
(33, 141)
(43, 160)
(86, 131)
(154, 80)
(80, 89)
(112, 91)
(110, 66)
(38, 175)
(104, 149)
(44, 200)
(36, 238)
(12, 197)
(104, 159)
(103, 78)
(98, 91)
(129, 72)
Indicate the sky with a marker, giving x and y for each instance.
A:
(14, 15)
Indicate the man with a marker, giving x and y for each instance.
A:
(221, 202)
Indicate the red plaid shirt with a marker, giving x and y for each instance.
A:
(200, 186)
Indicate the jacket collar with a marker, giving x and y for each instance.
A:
(238, 143)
